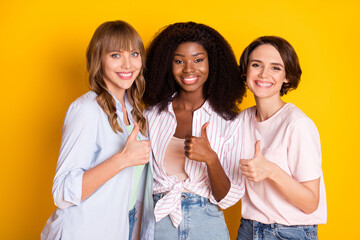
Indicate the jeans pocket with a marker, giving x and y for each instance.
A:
(157, 197)
(297, 233)
(213, 210)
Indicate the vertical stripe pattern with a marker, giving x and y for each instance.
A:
(225, 138)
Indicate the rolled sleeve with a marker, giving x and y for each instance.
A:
(235, 193)
(73, 186)
(76, 155)
(230, 162)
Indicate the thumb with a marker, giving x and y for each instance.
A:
(203, 130)
(134, 133)
(257, 148)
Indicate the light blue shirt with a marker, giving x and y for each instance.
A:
(88, 140)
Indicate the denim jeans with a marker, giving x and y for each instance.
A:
(253, 230)
(200, 220)
(132, 220)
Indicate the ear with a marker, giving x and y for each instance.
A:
(286, 80)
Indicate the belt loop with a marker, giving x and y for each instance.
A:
(202, 202)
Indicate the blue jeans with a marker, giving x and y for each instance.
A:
(200, 220)
(253, 230)
(132, 220)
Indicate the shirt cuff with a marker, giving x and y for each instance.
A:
(234, 194)
(73, 186)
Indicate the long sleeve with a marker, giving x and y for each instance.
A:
(76, 154)
(230, 161)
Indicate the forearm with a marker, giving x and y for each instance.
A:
(100, 174)
(304, 195)
(219, 182)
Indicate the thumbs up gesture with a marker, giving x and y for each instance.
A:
(198, 148)
(258, 168)
(136, 152)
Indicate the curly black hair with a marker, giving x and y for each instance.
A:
(223, 89)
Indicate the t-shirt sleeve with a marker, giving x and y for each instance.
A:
(76, 155)
(304, 151)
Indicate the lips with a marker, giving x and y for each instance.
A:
(189, 79)
(263, 83)
(125, 75)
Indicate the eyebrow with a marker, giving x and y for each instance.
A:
(278, 64)
(194, 55)
(132, 50)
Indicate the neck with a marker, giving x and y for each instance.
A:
(188, 100)
(265, 108)
(119, 95)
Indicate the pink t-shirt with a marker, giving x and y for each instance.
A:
(291, 140)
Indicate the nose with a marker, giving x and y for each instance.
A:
(263, 73)
(188, 67)
(126, 63)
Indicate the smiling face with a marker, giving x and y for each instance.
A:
(266, 72)
(120, 69)
(190, 67)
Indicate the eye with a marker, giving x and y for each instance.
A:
(178, 61)
(255, 65)
(199, 60)
(276, 68)
(115, 55)
(135, 54)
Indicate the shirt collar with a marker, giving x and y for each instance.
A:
(206, 106)
(118, 104)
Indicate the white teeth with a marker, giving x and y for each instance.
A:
(264, 84)
(189, 79)
(125, 74)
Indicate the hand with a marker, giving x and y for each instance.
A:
(258, 168)
(136, 152)
(198, 148)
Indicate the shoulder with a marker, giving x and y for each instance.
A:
(293, 113)
(86, 101)
(247, 113)
(84, 109)
(86, 104)
(228, 128)
(294, 116)
(298, 122)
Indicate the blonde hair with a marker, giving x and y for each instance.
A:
(107, 37)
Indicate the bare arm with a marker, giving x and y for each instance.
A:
(303, 195)
(134, 153)
(199, 149)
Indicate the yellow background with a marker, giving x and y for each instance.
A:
(42, 63)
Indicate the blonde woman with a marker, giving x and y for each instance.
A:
(104, 155)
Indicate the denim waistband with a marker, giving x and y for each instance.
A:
(186, 197)
(274, 225)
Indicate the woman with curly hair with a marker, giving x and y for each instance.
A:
(285, 191)
(192, 93)
(100, 177)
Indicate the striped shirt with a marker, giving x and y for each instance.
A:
(225, 138)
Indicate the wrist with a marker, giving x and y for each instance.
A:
(120, 159)
(273, 171)
(212, 160)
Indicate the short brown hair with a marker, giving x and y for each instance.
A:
(288, 55)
